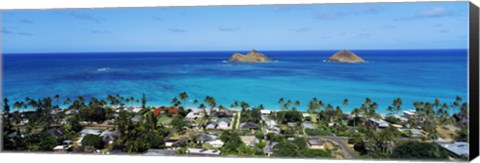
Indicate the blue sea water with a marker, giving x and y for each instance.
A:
(412, 75)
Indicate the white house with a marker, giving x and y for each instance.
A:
(61, 148)
(265, 112)
(193, 115)
(216, 143)
(379, 123)
(457, 148)
(409, 113)
(315, 144)
(204, 152)
(223, 123)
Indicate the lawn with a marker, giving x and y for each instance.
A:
(314, 117)
(164, 120)
(445, 133)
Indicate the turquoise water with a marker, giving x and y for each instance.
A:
(412, 75)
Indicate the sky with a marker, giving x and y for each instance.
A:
(425, 25)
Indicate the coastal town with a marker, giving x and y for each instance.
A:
(120, 125)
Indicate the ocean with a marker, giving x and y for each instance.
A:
(412, 75)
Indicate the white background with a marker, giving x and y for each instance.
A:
(74, 158)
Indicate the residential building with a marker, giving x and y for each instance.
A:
(457, 148)
(203, 152)
(379, 123)
(315, 144)
(248, 126)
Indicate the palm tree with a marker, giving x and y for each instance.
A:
(18, 105)
(281, 101)
(286, 106)
(67, 101)
(313, 105)
(390, 109)
(210, 101)
(397, 103)
(183, 96)
(202, 106)
(57, 97)
(355, 113)
(144, 101)
(175, 102)
(297, 103)
(244, 105)
(221, 107)
(261, 107)
(368, 100)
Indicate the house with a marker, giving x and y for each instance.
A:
(315, 144)
(202, 152)
(409, 114)
(274, 130)
(223, 123)
(308, 126)
(249, 140)
(176, 142)
(90, 132)
(271, 123)
(399, 117)
(216, 143)
(193, 115)
(57, 131)
(248, 126)
(265, 112)
(307, 117)
(160, 152)
(136, 118)
(168, 110)
(134, 109)
(61, 148)
(211, 125)
(203, 138)
(268, 149)
(379, 123)
(457, 148)
(67, 142)
(223, 113)
(292, 124)
(415, 132)
(108, 136)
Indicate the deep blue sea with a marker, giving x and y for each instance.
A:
(412, 75)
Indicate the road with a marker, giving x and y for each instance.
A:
(238, 120)
(340, 142)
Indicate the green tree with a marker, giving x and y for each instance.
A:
(144, 101)
(92, 140)
(419, 150)
(183, 96)
(48, 142)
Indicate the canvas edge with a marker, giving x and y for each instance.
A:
(474, 82)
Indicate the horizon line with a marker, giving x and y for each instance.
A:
(185, 51)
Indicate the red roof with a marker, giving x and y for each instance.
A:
(156, 112)
(170, 110)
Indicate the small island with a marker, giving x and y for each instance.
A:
(252, 56)
(345, 56)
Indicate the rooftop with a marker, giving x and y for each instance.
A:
(90, 131)
(458, 148)
(201, 151)
(314, 142)
(159, 152)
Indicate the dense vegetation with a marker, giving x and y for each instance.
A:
(46, 126)
(419, 150)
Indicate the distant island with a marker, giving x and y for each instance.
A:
(345, 56)
(252, 56)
